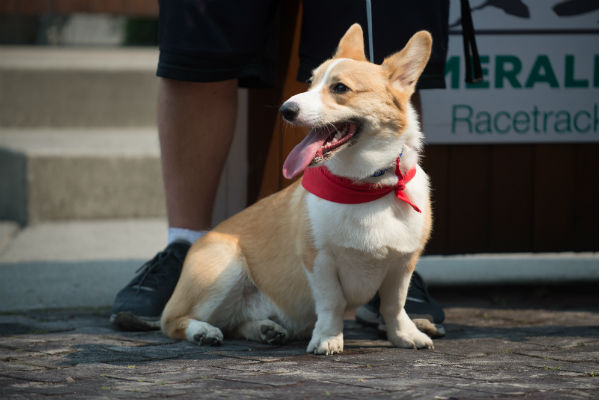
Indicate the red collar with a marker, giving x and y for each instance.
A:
(322, 183)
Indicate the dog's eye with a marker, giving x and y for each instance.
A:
(339, 88)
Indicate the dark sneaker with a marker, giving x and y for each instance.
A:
(419, 304)
(138, 305)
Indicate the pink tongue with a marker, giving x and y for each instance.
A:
(304, 153)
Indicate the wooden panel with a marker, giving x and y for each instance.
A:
(109, 6)
(34, 7)
(8, 7)
(289, 135)
(554, 188)
(263, 145)
(71, 6)
(141, 7)
(264, 123)
(28, 7)
(468, 199)
(585, 205)
(435, 164)
(511, 200)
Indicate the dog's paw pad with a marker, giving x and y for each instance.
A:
(273, 333)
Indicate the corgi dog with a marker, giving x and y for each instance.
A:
(289, 266)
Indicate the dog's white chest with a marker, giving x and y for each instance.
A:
(372, 227)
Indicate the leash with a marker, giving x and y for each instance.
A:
(370, 30)
(472, 61)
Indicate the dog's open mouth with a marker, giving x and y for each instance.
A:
(319, 145)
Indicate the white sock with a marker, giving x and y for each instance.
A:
(184, 234)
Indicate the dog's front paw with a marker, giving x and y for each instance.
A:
(411, 339)
(326, 344)
(204, 334)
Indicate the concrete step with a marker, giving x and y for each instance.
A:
(50, 174)
(85, 263)
(75, 173)
(73, 264)
(75, 86)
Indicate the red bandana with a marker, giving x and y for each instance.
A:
(322, 183)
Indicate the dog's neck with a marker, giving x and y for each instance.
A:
(408, 157)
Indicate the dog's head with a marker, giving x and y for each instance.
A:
(359, 112)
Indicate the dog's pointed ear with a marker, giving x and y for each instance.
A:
(405, 67)
(352, 44)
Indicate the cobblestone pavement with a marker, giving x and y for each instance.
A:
(520, 343)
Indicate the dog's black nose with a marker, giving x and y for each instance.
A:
(290, 111)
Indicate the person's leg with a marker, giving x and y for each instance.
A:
(196, 122)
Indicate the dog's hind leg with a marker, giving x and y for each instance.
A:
(192, 330)
(212, 270)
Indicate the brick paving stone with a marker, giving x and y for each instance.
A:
(525, 346)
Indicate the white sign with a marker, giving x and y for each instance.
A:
(540, 76)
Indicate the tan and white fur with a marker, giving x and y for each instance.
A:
(293, 263)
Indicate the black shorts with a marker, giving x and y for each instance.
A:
(215, 40)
